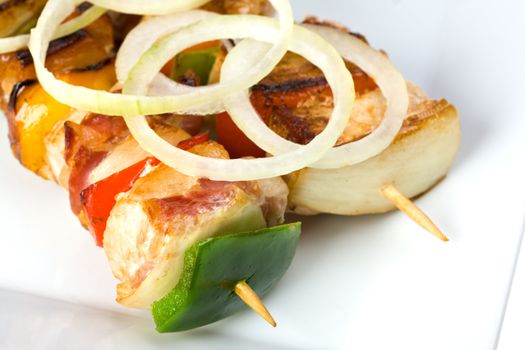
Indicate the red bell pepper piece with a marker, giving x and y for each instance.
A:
(194, 141)
(99, 199)
(233, 139)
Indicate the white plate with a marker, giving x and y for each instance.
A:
(364, 283)
(511, 337)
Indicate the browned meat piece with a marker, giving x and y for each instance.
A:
(254, 7)
(18, 16)
(83, 49)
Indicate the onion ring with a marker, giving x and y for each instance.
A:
(114, 104)
(19, 42)
(146, 33)
(305, 43)
(143, 36)
(372, 62)
(149, 7)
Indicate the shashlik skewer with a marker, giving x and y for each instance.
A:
(272, 190)
(39, 125)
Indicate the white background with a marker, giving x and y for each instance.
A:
(362, 283)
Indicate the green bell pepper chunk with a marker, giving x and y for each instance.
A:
(205, 292)
(198, 62)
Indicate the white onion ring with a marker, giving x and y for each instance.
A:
(374, 63)
(143, 36)
(20, 42)
(13, 43)
(149, 7)
(305, 43)
(114, 104)
(146, 33)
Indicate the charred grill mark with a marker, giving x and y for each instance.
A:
(13, 97)
(24, 57)
(11, 3)
(299, 130)
(57, 45)
(14, 131)
(282, 106)
(291, 85)
(83, 7)
(96, 66)
(363, 83)
(5, 6)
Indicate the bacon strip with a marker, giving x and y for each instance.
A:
(87, 145)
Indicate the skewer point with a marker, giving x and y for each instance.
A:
(412, 211)
(248, 295)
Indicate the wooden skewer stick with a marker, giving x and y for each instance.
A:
(247, 294)
(409, 208)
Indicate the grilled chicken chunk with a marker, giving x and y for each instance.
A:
(82, 50)
(166, 212)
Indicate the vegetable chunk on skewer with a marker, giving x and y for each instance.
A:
(260, 258)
